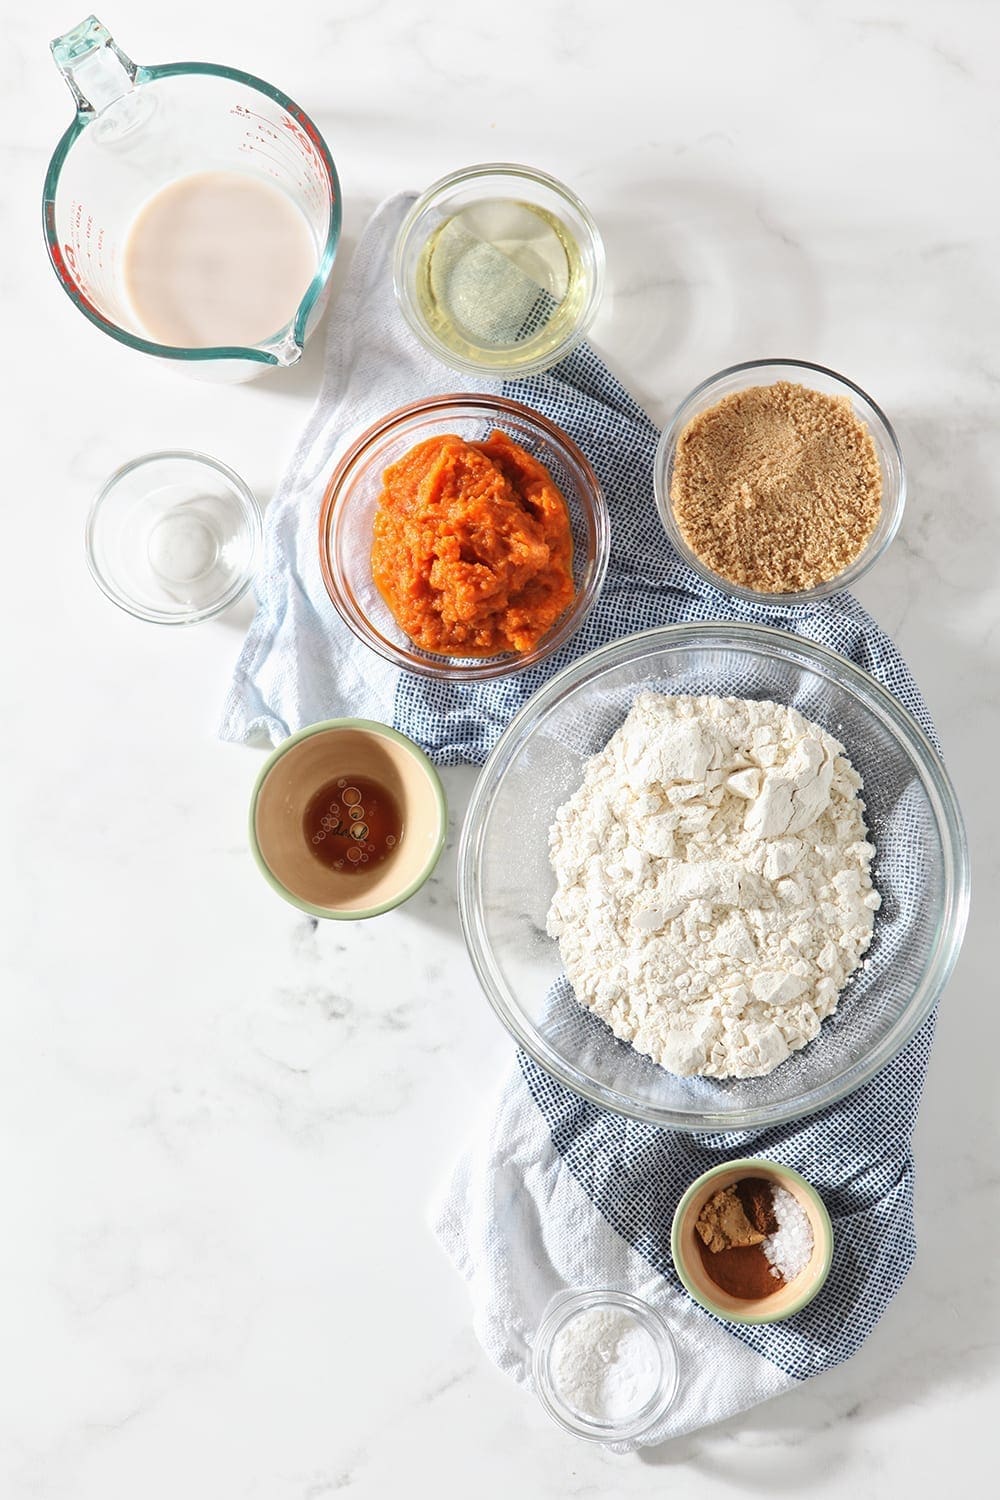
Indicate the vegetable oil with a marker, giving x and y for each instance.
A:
(501, 283)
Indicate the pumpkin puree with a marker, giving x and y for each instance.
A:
(472, 548)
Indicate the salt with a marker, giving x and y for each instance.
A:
(791, 1245)
(604, 1365)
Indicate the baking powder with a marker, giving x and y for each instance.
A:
(604, 1365)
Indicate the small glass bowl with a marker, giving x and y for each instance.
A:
(174, 537)
(351, 500)
(755, 372)
(478, 185)
(561, 1310)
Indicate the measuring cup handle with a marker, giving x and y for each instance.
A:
(96, 69)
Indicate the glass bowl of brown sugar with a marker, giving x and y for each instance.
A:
(779, 481)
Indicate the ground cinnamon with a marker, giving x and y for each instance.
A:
(742, 1271)
(731, 1228)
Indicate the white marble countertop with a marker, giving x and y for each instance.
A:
(219, 1128)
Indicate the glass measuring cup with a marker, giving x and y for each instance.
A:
(138, 128)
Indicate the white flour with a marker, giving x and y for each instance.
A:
(604, 1364)
(713, 892)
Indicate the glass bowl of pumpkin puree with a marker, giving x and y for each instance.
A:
(464, 537)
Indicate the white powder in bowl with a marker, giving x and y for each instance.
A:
(713, 882)
(791, 1245)
(604, 1365)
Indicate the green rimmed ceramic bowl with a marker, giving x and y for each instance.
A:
(788, 1299)
(304, 763)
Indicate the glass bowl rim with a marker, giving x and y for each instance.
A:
(461, 669)
(667, 444)
(560, 1308)
(934, 778)
(248, 503)
(418, 326)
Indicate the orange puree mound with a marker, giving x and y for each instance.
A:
(472, 546)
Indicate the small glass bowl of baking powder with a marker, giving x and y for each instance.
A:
(604, 1365)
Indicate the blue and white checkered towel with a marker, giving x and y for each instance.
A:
(553, 1192)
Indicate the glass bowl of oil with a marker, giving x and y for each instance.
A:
(499, 269)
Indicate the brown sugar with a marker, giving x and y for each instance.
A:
(723, 1222)
(777, 488)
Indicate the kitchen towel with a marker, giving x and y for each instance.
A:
(551, 1191)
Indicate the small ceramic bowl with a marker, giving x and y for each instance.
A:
(351, 501)
(756, 372)
(304, 763)
(788, 1299)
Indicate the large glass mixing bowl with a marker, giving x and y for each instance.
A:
(506, 883)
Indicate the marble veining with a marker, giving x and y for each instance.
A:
(221, 1123)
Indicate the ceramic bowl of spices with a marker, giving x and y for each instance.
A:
(752, 1241)
(347, 819)
(779, 482)
(464, 537)
(604, 1365)
(499, 270)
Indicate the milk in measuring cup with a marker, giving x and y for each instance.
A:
(217, 259)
